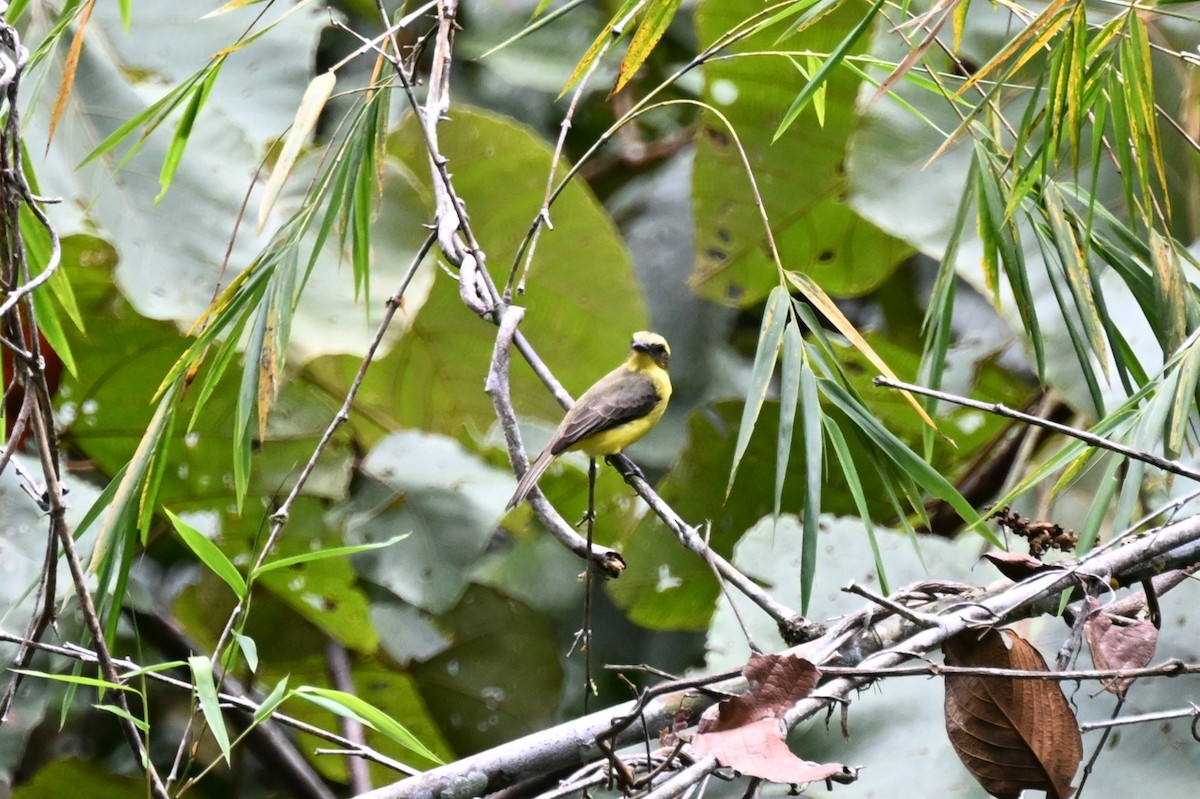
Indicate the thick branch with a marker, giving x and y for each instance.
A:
(867, 647)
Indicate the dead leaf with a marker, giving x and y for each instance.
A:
(746, 732)
(758, 749)
(1016, 566)
(70, 67)
(1118, 642)
(1011, 734)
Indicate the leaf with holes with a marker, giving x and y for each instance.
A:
(1118, 642)
(747, 733)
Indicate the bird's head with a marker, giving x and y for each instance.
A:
(650, 345)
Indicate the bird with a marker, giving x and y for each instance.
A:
(616, 411)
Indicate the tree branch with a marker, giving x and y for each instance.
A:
(854, 652)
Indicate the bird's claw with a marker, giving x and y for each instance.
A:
(588, 516)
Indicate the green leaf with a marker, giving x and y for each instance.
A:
(249, 650)
(837, 440)
(324, 554)
(908, 461)
(430, 380)
(801, 177)
(770, 339)
(813, 469)
(610, 34)
(447, 497)
(183, 130)
(832, 62)
(121, 712)
(209, 554)
(210, 704)
(351, 707)
(789, 399)
(272, 701)
(74, 679)
(481, 678)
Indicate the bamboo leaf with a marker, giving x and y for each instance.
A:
(350, 706)
(789, 398)
(324, 554)
(837, 440)
(610, 33)
(307, 114)
(770, 339)
(907, 461)
(232, 5)
(823, 303)
(654, 24)
(832, 62)
(183, 130)
(70, 67)
(249, 649)
(209, 554)
(810, 409)
(1024, 46)
(210, 704)
(75, 679)
(562, 10)
(122, 516)
(272, 701)
(141, 724)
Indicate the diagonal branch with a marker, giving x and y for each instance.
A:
(460, 247)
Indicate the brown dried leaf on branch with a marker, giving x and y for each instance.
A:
(747, 733)
(1016, 566)
(1011, 734)
(1118, 642)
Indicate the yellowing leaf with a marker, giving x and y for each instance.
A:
(654, 24)
(822, 302)
(68, 74)
(307, 114)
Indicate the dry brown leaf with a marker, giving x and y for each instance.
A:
(746, 732)
(1016, 566)
(1118, 642)
(758, 749)
(1011, 734)
(70, 67)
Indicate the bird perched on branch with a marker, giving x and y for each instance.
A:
(615, 412)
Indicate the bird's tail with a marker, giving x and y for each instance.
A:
(530, 478)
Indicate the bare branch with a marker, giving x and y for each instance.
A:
(854, 654)
(1175, 467)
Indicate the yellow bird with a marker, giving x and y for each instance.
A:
(618, 410)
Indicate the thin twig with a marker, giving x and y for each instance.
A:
(542, 219)
(1142, 718)
(1175, 467)
(228, 699)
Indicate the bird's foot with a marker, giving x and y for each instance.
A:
(588, 516)
(635, 471)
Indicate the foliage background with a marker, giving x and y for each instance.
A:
(460, 630)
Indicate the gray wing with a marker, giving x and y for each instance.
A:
(619, 397)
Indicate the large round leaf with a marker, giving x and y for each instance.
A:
(172, 248)
(583, 302)
(450, 502)
(800, 176)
